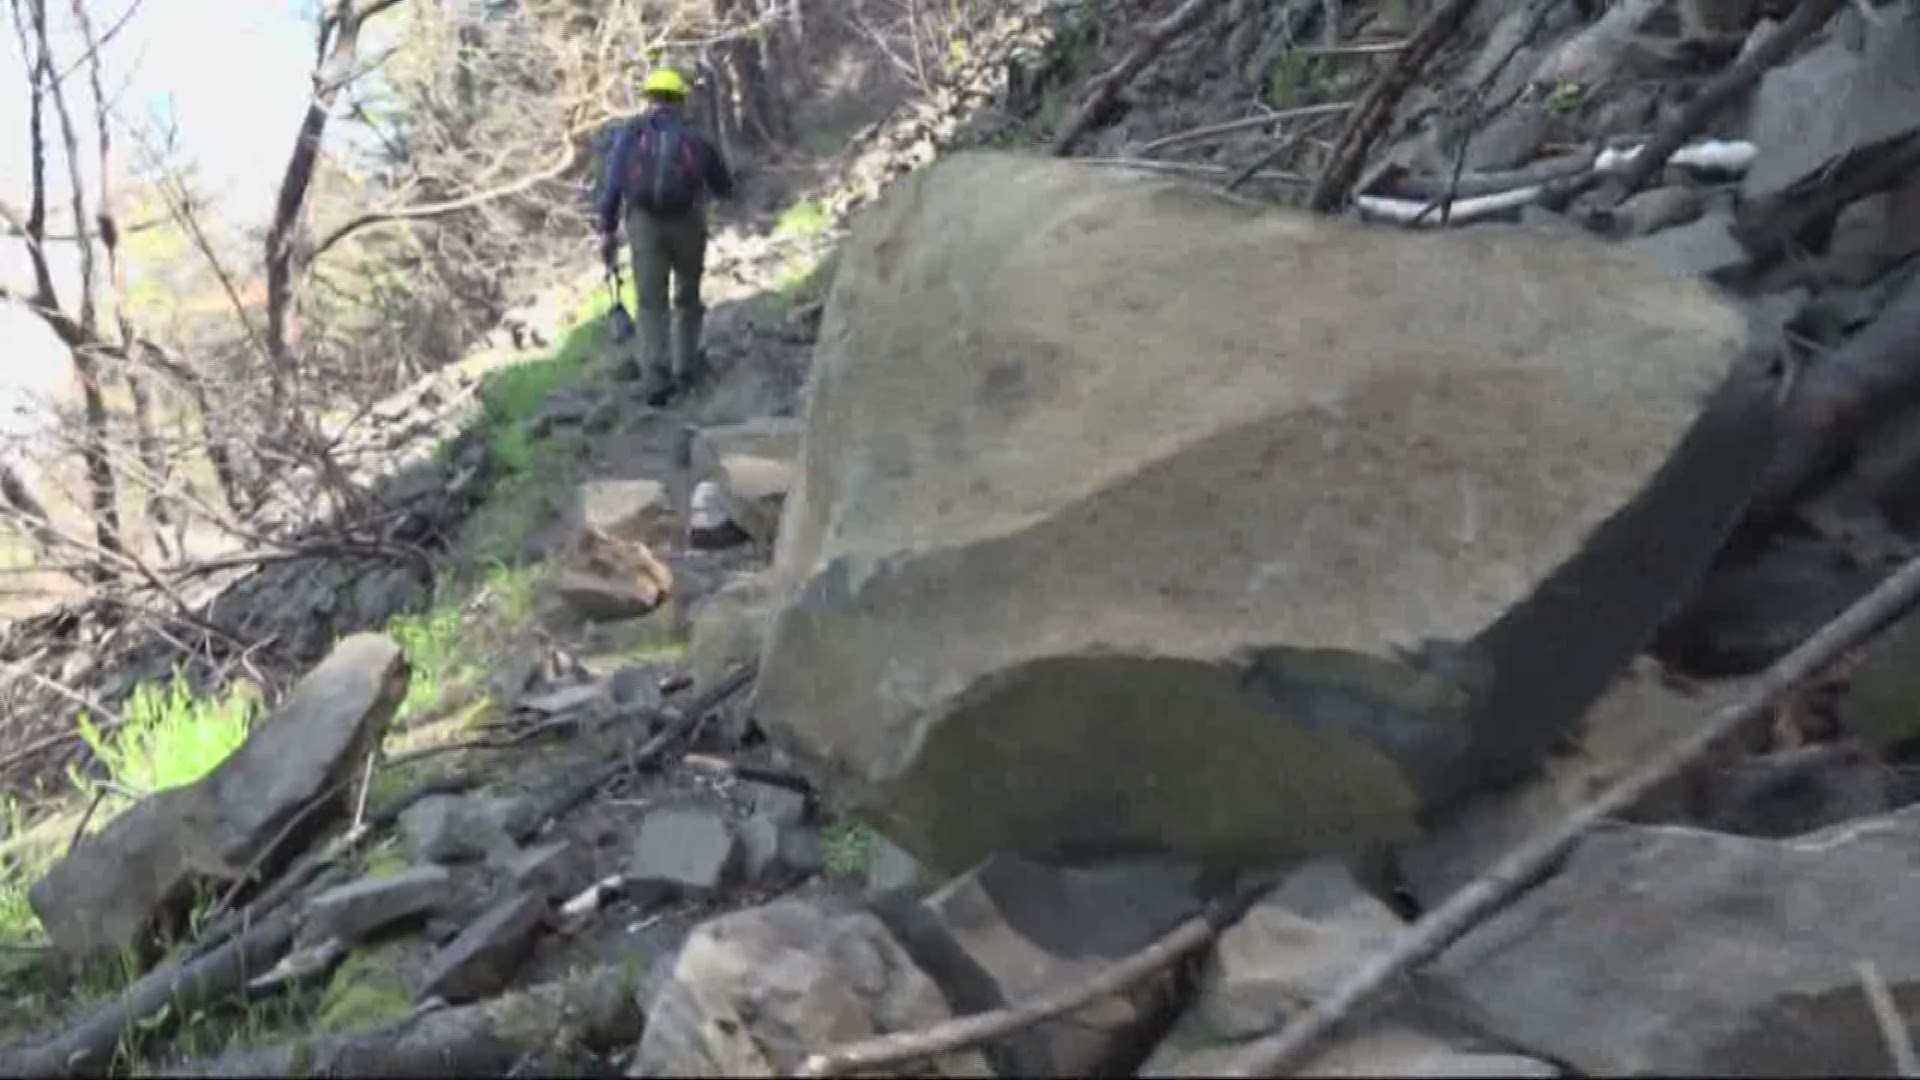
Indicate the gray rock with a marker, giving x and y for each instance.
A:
(636, 510)
(998, 627)
(753, 992)
(1703, 248)
(1029, 928)
(554, 870)
(690, 848)
(781, 805)
(118, 882)
(1671, 951)
(1652, 211)
(1637, 717)
(1832, 101)
(481, 961)
(1881, 704)
(892, 868)
(457, 828)
(354, 911)
(1873, 235)
(1290, 951)
(729, 628)
(1789, 793)
(768, 847)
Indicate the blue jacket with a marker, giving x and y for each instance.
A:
(719, 179)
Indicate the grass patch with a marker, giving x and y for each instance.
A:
(171, 736)
(802, 221)
(366, 991)
(847, 847)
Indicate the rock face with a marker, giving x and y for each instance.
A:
(1676, 952)
(1105, 473)
(113, 887)
(753, 992)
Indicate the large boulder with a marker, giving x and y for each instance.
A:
(1118, 495)
(117, 883)
(1679, 952)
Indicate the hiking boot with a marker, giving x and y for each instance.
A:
(688, 358)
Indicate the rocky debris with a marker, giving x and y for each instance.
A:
(692, 849)
(117, 883)
(1783, 794)
(1673, 951)
(1290, 951)
(753, 992)
(355, 911)
(986, 624)
(1010, 929)
(1703, 248)
(459, 828)
(1881, 704)
(605, 578)
(482, 960)
(1834, 100)
(1636, 717)
(636, 511)
(752, 467)
(554, 870)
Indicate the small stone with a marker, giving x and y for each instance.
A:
(354, 911)
(781, 805)
(553, 870)
(598, 598)
(1702, 248)
(690, 848)
(457, 828)
(482, 960)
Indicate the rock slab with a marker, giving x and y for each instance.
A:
(114, 886)
(1062, 531)
(1678, 952)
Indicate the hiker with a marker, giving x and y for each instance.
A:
(662, 172)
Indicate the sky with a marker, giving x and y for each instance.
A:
(233, 76)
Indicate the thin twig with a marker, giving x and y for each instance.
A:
(1208, 131)
(86, 819)
(1893, 1027)
(1193, 168)
(1287, 1049)
(958, 1034)
(1273, 154)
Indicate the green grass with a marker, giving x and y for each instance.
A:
(803, 220)
(171, 736)
(847, 847)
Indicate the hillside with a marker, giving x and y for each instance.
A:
(1215, 537)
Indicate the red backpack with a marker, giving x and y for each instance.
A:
(664, 175)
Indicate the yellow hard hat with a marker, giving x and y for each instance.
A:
(664, 81)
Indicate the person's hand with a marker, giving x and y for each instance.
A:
(609, 248)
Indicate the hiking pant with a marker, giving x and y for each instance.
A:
(669, 250)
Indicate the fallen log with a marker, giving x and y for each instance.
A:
(1768, 230)
(598, 1012)
(1296, 1043)
(176, 990)
(1864, 382)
